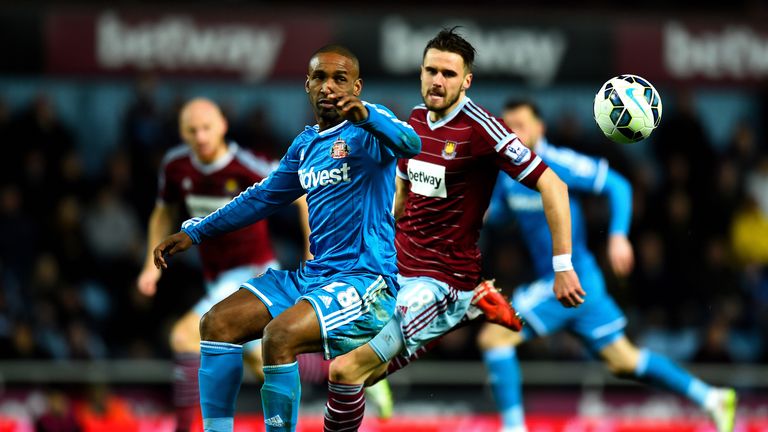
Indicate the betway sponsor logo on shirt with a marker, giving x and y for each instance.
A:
(427, 179)
(203, 205)
(310, 179)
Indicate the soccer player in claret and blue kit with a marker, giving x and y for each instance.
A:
(345, 165)
(442, 195)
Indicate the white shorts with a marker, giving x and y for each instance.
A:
(227, 283)
(428, 309)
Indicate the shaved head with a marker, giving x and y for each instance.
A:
(202, 126)
(340, 50)
(200, 105)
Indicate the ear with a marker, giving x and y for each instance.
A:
(358, 87)
(306, 85)
(467, 82)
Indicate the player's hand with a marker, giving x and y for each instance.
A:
(147, 282)
(172, 245)
(620, 254)
(350, 107)
(568, 289)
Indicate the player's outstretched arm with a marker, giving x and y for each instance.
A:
(160, 222)
(554, 195)
(395, 134)
(619, 193)
(281, 188)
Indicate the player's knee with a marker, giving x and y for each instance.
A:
(494, 336)
(215, 327)
(345, 369)
(279, 341)
(183, 338)
(621, 366)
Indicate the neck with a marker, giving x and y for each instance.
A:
(436, 116)
(324, 124)
(220, 152)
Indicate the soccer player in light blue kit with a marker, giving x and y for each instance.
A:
(598, 322)
(344, 296)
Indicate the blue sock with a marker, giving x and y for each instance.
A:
(221, 371)
(280, 396)
(659, 371)
(506, 383)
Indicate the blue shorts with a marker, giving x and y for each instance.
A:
(351, 308)
(598, 322)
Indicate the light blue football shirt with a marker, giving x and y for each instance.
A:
(348, 175)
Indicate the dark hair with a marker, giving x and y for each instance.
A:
(338, 49)
(513, 104)
(449, 40)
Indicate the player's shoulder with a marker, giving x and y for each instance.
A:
(569, 159)
(174, 155)
(480, 116)
(254, 163)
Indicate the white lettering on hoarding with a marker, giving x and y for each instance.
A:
(535, 55)
(177, 42)
(736, 52)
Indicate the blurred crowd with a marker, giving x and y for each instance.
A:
(73, 241)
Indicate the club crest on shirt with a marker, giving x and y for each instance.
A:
(230, 186)
(449, 150)
(186, 183)
(339, 149)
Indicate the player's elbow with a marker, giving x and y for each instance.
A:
(410, 145)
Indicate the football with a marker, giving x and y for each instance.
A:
(627, 108)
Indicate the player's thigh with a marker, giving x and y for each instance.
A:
(296, 330)
(495, 336)
(243, 315)
(351, 309)
(429, 309)
(185, 334)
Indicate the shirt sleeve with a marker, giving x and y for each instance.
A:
(591, 175)
(509, 154)
(280, 188)
(390, 137)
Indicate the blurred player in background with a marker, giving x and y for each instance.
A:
(345, 295)
(196, 178)
(442, 195)
(598, 322)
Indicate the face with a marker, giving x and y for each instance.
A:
(443, 80)
(331, 74)
(524, 124)
(202, 126)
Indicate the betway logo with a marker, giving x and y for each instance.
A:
(422, 177)
(177, 42)
(734, 52)
(535, 55)
(311, 179)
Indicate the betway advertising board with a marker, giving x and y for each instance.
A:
(256, 47)
(252, 46)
